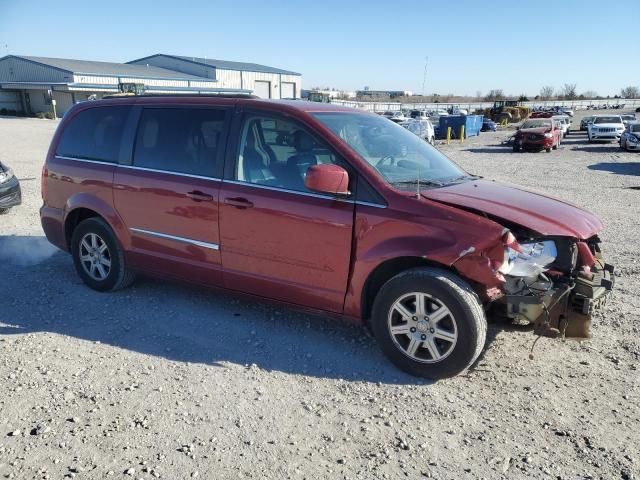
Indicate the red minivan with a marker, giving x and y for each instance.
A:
(323, 207)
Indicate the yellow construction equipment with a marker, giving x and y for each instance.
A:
(510, 111)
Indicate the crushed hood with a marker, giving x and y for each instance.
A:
(538, 212)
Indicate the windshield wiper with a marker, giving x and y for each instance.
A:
(422, 181)
(463, 177)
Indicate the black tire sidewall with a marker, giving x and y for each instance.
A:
(466, 345)
(100, 228)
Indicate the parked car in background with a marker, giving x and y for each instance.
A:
(630, 138)
(388, 114)
(422, 128)
(489, 125)
(354, 217)
(419, 114)
(584, 123)
(565, 120)
(627, 118)
(538, 134)
(10, 193)
(399, 117)
(606, 128)
(541, 114)
(566, 111)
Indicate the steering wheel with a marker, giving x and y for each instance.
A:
(386, 159)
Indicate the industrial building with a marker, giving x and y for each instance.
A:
(33, 84)
(263, 81)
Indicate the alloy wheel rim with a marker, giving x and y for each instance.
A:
(95, 257)
(422, 327)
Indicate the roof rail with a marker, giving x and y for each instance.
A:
(183, 95)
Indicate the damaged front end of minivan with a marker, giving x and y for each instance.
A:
(555, 283)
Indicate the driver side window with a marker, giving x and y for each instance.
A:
(277, 153)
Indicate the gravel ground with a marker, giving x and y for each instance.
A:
(164, 380)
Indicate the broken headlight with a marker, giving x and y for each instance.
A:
(527, 259)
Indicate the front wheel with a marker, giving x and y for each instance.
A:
(429, 323)
(98, 256)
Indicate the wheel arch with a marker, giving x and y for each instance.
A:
(83, 206)
(386, 271)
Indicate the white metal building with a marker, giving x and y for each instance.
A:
(29, 84)
(264, 81)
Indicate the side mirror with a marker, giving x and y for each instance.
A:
(327, 178)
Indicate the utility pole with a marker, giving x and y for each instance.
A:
(424, 75)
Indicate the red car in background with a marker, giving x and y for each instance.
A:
(538, 134)
(542, 114)
(318, 206)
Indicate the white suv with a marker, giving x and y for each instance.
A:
(605, 127)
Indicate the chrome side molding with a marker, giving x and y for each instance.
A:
(212, 246)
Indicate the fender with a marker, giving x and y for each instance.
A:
(102, 208)
(435, 240)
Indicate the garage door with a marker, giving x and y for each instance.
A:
(262, 89)
(288, 90)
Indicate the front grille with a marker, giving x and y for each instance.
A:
(535, 136)
(606, 130)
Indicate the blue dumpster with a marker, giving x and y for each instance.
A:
(472, 125)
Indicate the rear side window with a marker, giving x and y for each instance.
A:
(181, 140)
(94, 134)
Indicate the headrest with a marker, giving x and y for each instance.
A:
(302, 141)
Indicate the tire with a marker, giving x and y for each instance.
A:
(3, 211)
(464, 324)
(106, 277)
(516, 147)
(547, 150)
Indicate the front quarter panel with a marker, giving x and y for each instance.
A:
(436, 233)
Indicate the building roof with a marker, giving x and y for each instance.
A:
(90, 67)
(225, 64)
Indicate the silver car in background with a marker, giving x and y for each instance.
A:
(630, 138)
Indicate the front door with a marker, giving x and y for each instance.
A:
(279, 240)
(168, 196)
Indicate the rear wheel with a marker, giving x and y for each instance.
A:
(429, 323)
(98, 256)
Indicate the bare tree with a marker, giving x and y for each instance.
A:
(590, 94)
(478, 95)
(495, 94)
(546, 92)
(630, 92)
(569, 91)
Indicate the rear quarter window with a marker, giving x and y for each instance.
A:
(94, 134)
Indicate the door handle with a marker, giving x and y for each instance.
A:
(238, 202)
(198, 196)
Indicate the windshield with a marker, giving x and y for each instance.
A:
(628, 117)
(607, 120)
(635, 127)
(396, 153)
(537, 124)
